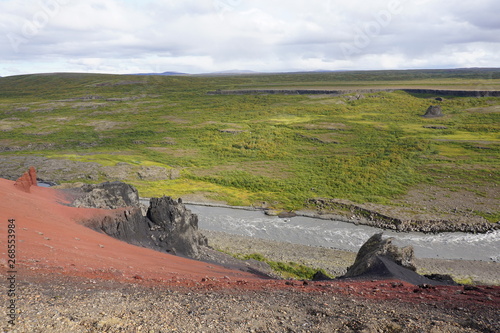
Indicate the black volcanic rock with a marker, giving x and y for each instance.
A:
(109, 195)
(128, 225)
(320, 276)
(379, 259)
(174, 227)
(375, 247)
(168, 225)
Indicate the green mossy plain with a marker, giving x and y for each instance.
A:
(249, 149)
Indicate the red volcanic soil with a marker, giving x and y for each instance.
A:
(48, 238)
(51, 243)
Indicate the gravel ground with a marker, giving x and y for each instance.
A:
(53, 302)
(64, 304)
(336, 262)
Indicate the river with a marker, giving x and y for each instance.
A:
(345, 236)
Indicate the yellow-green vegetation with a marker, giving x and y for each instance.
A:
(181, 187)
(287, 270)
(249, 149)
(464, 280)
(107, 159)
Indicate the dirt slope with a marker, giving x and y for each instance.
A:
(49, 238)
(70, 278)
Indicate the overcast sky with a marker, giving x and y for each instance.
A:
(199, 36)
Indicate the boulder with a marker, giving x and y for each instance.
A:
(109, 195)
(379, 259)
(433, 111)
(376, 247)
(320, 276)
(174, 227)
(27, 180)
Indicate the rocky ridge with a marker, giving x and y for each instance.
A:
(63, 170)
(168, 225)
(443, 92)
(372, 216)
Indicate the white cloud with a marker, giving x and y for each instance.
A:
(120, 36)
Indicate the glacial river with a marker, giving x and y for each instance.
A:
(345, 236)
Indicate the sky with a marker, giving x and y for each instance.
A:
(202, 36)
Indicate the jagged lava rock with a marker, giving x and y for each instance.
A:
(175, 227)
(320, 276)
(27, 180)
(128, 225)
(374, 247)
(108, 195)
(168, 225)
(379, 259)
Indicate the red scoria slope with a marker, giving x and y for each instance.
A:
(48, 238)
(51, 243)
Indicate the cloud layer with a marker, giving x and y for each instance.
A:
(196, 36)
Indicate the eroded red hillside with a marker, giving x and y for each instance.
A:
(51, 243)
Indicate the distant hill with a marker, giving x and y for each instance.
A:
(233, 72)
(164, 73)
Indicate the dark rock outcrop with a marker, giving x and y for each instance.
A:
(379, 259)
(433, 111)
(109, 195)
(366, 215)
(27, 180)
(168, 225)
(376, 247)
(320, 276)
(128, 225)
(458, 93)
(174, 228)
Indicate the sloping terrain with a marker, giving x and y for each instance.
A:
(71, 278)
(50, 239)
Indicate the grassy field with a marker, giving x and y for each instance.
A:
(249, 149)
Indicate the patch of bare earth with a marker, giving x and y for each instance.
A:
(455, 202)
(433, 198)
(9, 125)
(488, 109)
(107, 125)
(202, 197)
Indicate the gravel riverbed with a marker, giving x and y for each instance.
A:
(336, 262)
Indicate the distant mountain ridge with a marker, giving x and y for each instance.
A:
(163, 74)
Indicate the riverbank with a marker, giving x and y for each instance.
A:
(336, 262)
(385, 217)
